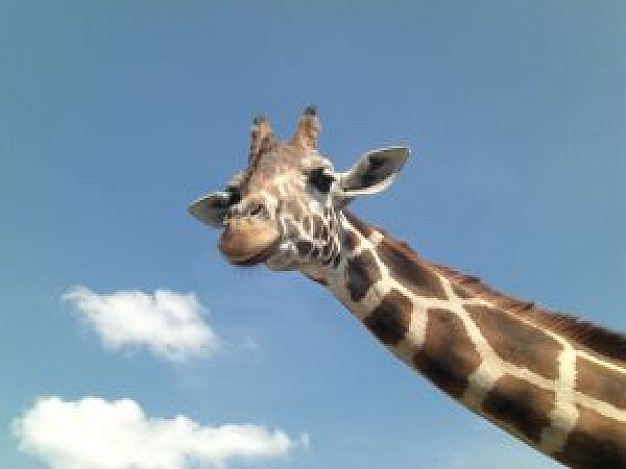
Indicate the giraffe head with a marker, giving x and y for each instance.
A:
(283, 208)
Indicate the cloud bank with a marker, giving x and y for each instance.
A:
(170, 324)
(98, 434)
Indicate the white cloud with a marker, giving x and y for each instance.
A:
(169, 323)
(98, 434)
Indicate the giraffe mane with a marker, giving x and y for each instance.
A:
(583, 333)
(603, 341)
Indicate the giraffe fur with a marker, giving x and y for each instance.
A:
(553, 381)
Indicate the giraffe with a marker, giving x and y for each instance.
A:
(553, 381)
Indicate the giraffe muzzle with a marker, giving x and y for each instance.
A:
(249, 240)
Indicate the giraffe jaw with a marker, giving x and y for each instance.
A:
(283, 258)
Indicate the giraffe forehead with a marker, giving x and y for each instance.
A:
(283, 188)
(282, 164)
(280, 174)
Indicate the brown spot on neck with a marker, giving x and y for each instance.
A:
(601, 383)
(448, 356)
(520, 405)
(517, 342)
(596, 442)
(391, 319)
(360, 274)
(350, 241)
(408, 269)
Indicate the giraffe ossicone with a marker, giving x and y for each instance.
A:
(556, 383)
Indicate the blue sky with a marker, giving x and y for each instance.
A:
(115, 115)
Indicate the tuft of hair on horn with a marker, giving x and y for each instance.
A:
(308, 129)
(262, 136)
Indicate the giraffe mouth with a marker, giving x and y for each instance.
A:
(257, 258)
(245, 244)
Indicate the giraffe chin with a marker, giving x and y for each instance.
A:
(248, 247)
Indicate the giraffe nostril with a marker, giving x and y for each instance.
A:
(247, 210)
(256, 210)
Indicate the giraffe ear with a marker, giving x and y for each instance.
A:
(211, 208)
(374, 171)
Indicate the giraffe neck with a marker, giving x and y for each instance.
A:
(495, 355)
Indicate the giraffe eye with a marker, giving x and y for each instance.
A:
(321, 180)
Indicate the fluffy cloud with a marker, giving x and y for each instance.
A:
(98, 434)
(169, 323)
